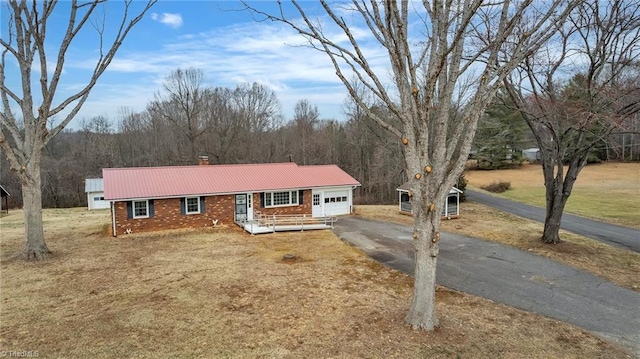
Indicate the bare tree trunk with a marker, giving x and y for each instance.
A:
(422, 314)
(558, 187)
(553, 219)
(35, 247)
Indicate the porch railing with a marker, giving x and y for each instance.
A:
(274, 222)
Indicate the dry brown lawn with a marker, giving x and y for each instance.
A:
(607, 191)
(220, 293)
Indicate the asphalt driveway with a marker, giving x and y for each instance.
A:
(619, 236)
(510, 276)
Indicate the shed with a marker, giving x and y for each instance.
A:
(4, 196)
(94, 188)
(451, 207)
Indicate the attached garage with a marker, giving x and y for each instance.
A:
(332, 202)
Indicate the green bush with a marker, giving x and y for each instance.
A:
(497, 187)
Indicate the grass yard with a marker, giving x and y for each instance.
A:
(220, 293)
(607, 191)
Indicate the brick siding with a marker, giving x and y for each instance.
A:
(167, 213)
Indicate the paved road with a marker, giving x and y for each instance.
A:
(624, 237)
(510, 276)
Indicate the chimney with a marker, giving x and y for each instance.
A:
(203, 160)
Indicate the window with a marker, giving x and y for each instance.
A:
(281, 198)
(335, 199)
(278, 199)
(192, 205)
(316, 199)
(98, 198)
(140, 209)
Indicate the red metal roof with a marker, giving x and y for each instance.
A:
(178, 181)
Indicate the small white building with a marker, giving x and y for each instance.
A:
(94, 188)
(451, 207)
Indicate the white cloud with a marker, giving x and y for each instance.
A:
(267, 53)
(172, 20)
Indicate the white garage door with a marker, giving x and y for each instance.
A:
(101, 204)
(336, 203)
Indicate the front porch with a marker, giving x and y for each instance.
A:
(281, 223)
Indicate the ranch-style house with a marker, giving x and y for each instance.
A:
(158, 198)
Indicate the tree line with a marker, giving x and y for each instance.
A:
(244, 124)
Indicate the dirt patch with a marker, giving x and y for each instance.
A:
(222, 293)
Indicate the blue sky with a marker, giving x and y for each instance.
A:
(228, 45)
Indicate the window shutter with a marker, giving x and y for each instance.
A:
(202, 203)
(151, 209)
(183, 206)
(261, 199)
(300, 195)
(129, 209)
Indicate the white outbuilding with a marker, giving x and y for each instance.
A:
(451, 207)
(94, 188)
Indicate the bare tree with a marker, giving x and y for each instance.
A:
(576, 91)
(257, 105)
(183, 105)
(97, 145)
(434, 52)
(24, 137)
(257, 111)
(225, 128)
(305, 118)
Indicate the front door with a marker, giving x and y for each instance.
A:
(250, 206)
(241, 207)
(316, 206)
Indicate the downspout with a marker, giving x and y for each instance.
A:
(113, 218)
